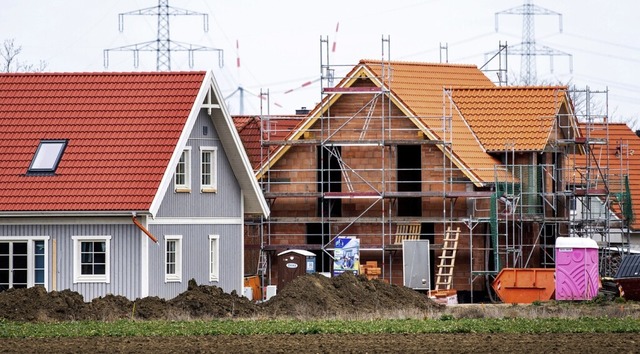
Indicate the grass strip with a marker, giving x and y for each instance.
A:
(126, 328)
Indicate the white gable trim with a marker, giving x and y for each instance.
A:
(254, 201)
(182, 142)
(358, 72)
(209, 97)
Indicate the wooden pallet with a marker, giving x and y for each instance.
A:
(407, 232)
(444, 277)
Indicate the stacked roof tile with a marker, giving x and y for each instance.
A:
(121, 128)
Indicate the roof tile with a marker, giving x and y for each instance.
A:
(618, 136)
(506, 116)
(421, 87)
(121, 130)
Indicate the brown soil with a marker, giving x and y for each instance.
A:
(343, 343)
(307, 297)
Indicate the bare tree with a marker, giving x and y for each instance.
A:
(10, 63)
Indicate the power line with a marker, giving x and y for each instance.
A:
(626, 46)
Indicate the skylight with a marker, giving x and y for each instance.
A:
(47, 157)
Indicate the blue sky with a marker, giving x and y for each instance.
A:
(279, 41)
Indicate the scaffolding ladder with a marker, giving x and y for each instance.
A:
(444, 277)
(262, 262)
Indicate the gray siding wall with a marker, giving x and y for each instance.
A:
(225, 202)
(124, 256)
(209, 209)
(195, 258)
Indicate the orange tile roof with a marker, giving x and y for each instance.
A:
(122, 129)
(503, 118)
(420, 88)
(626, 162)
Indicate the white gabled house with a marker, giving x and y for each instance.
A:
(121, 183)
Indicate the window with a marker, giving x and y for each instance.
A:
(23, 262)
(173, 258)
(47, 157)
(208, 167)
(183, 172)
(214, 258)
(39, 264)
(91, 261)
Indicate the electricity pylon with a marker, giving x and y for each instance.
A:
(527, 49)
(163, 45)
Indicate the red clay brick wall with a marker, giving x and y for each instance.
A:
(373, 164)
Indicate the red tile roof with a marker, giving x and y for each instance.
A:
(511, 117)
(274, 128)
(122, 129)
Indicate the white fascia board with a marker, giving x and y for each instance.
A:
(66, 220)
(182, 142)
(233, 147)
(196, 221)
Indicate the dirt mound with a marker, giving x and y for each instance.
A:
(36, 304)
(346, 295)
(308, 296)
(198, 302)
(202, 301)
(109, 308)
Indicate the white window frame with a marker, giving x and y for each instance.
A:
(214, 257)
(211, 187)
(177, 276)
(78, 277)
(31, 268)
(186, 186)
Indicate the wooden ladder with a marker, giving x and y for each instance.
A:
(444, 277)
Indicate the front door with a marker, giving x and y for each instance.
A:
(290, 266)
(22, 264)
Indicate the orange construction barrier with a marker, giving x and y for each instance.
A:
(525, 285)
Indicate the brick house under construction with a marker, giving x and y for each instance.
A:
(416, 151)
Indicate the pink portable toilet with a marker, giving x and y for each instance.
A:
(577, 275)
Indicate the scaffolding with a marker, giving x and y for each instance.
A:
(574, 190)
(360, 178)
(360, 169)
(600, 205)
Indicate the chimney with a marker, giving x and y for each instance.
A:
(303, 111)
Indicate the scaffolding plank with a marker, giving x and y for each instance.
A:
(352, 195)
(352, 89)
(470, 194)
(591, 192)
(592, 141)
(273, 195)
(412, 194)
